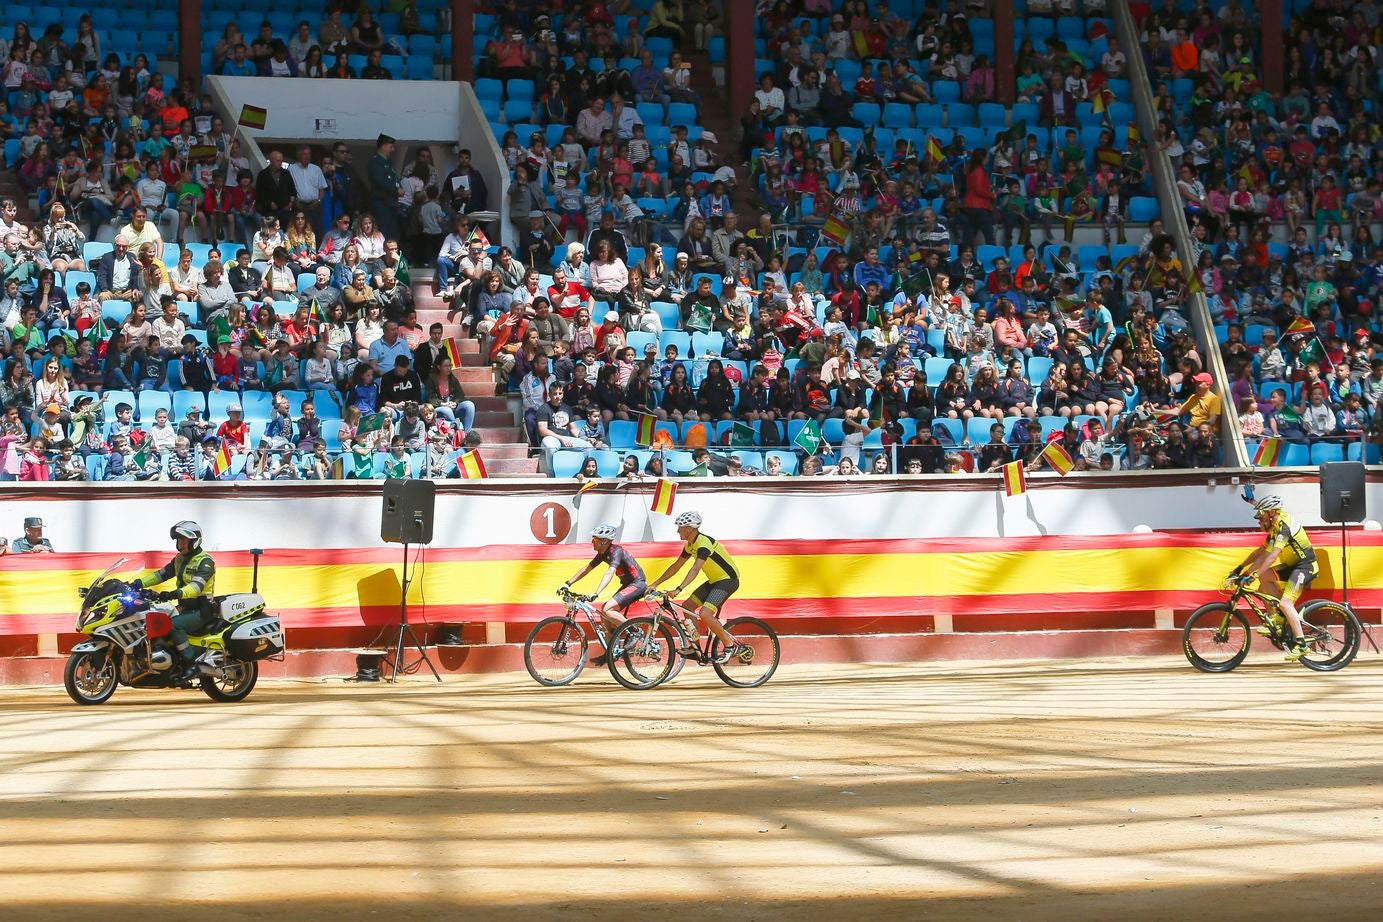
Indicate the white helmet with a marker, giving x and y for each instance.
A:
(189, 530)
(689, 518)
(607, 532)
(1267, 506)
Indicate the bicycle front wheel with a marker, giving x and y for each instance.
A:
(758, 659)
(555, 652)
(1332, 634)
(639, 656)
(1216, 637)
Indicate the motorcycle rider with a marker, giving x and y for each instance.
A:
(195, 573)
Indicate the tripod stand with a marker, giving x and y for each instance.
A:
(406, 629)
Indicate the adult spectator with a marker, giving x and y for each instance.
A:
(274, 189)
(309, 185)
(384, 187)
(464, 190)
(390, 347)
(117, 273)
(32, 541)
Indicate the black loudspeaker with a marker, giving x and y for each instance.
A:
(1342, 491)
(408, 509)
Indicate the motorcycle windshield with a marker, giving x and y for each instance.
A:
(88, 598)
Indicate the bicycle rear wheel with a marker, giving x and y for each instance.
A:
(1332, 635)
(555, 652)
(1216, 637)
(758, 661)
(641, 656)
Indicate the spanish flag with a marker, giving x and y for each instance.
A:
(1109, 155)
(1266, 455)
(934, 152)
(1134, 135)
(586, 485)
(453, 353)
(253, 117)
(223, 460)
(470, 467)
(835, 230)
(1299, 326)
(646, 426)
(1015, 480)
(664, 496)
(1058, 458)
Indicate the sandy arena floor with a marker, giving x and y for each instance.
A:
(1136, 789)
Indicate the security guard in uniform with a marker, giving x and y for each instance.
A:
(384, 188)
(33, 541)
(195, 573)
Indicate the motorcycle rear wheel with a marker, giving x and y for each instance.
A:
(90, 677)
(235, 682)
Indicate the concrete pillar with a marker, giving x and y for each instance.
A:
(462, 38)
(1005, 73)
(190, 40)
(739, 53)
(1270, 68)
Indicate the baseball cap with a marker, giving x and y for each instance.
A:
(1203, 378)
(235, 408)
(611, 316)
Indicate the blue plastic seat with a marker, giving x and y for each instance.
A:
(1142, 209)
(897, 115)
(1294, 454)
(566, 464)
(945, 92)
(866, 113)
(1325, 452)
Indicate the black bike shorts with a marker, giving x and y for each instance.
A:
(715, 595)
(1297, 578)
(630, 594)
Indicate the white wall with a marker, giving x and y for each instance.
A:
(271, 515)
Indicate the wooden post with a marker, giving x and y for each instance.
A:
(462, 39)
(1004, 70)
(739, 52)
(190, 40)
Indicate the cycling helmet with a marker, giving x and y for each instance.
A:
(689, 518)
(1268, 505)
(607, 532)
(187, 529)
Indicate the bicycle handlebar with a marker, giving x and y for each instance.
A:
(566, 595)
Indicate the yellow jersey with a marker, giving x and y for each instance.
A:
(719, 565)
(1293, 541)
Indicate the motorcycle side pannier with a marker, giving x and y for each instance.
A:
(258, 638)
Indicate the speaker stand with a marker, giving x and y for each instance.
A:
(406, 630)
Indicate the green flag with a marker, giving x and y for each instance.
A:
(1311, 352)
(1018, 132)
(372, 422)
(396, 468)
(141, 458)
(809, 438)
(741, 435)
(1287, 414)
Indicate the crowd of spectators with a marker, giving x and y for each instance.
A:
(1283, 193)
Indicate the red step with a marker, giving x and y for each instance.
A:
(486, 418)
(476, 377)
(508, 435)
(488, 402)
(506, 451)
(516, 467)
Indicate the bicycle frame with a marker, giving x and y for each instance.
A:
(661, 606)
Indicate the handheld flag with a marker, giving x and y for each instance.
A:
(1109, 155)
(253, 117)
(934, 152)
(1015, 479)
(470, 467)
(338, 468)
(664, 497)
(1059, 459)
(1134, 135)
(1299, 325)
(478, 236)
(141, 457)
(372, 422)
(1267, 453)
(453, 353)
(201, 152)
(1019, 131)
(396, 468)
(586, 485)
(223, 460)
(835, 230)
(809, 438)
(1099, 104)
(741, 435)
(647, 424)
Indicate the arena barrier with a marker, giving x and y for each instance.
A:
(877, 556)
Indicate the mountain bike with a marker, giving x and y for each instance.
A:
(646, 660)
(555, 652)
(1217, 635)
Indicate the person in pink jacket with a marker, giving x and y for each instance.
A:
(978, 203)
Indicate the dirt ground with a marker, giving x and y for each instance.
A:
(1134, 789)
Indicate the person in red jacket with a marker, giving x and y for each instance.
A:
(978, 203)
(506, 336)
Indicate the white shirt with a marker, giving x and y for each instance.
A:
(189, 279)
(309, 182)
(770, 99)
(152, 193)
(120, 276)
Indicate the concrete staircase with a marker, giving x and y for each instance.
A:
(497, 419)
(717, 117)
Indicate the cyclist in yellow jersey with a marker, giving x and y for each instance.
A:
(723, 579)
(1284, 566)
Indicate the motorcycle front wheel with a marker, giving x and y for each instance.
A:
(234, 681)
(90, 677)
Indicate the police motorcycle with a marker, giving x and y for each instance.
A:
(130, 644)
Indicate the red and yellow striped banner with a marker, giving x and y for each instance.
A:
(1071, 577)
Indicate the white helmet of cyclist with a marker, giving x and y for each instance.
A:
(1268, 505)
(689, 518)
(607, 532)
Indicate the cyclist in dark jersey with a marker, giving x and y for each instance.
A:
(1284, 565)
(633, 583)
